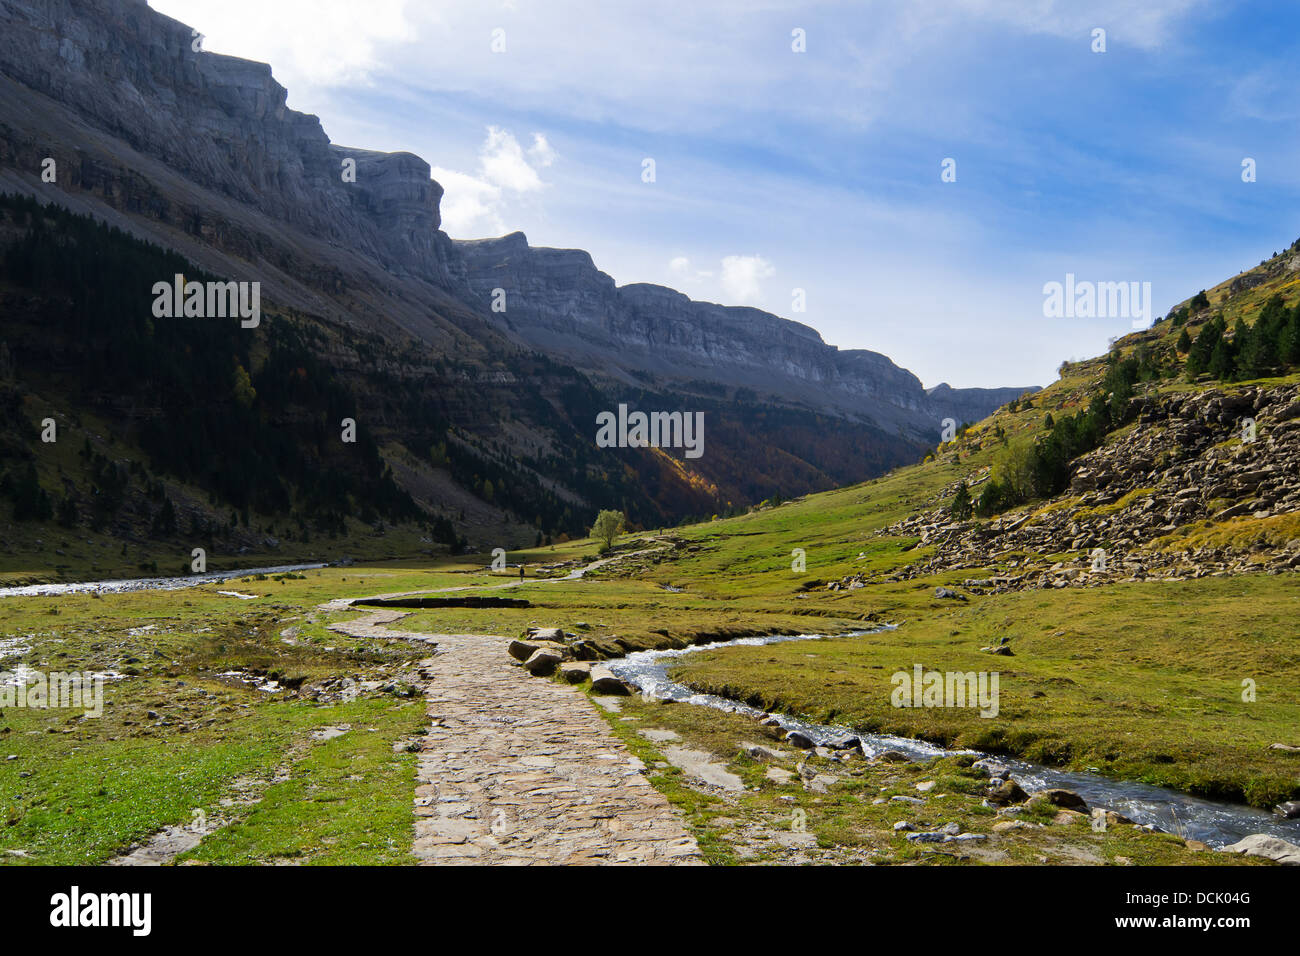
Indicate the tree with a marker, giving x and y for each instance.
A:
(1200, 301)
(960, 508)
(1014, 470)
(1184, 343)
(608, 526)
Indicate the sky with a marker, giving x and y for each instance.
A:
(906, 176)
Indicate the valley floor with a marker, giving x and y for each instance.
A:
(272, 723)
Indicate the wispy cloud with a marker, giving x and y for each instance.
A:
(477, 204)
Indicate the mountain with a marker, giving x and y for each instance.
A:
(484, 420)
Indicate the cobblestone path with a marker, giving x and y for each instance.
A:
(521, 770)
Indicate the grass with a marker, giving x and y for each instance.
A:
(1161, 702)
(852, 822)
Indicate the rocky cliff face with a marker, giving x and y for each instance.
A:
(558, 301)
(222, 122)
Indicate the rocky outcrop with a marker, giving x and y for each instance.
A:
(1184, 462)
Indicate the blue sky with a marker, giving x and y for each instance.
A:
(820, 170)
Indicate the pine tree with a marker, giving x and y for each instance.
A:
(960, 508)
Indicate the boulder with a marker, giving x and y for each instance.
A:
(521, 650)
(543, 662)
(948, 594)
(1289, 810)
(797, 738)
(546, 634)
(1269, 847)
(1065, 799)
(1006, 793)
(575, 672)
(603, 681)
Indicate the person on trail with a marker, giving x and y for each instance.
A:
(521, 571)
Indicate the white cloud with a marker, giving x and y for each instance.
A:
(474, 205)
(318, 43)
(742, 277)
(682, 273)
(502, 163)
(542, 153)
(471, 208)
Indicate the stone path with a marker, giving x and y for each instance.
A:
(521, 770)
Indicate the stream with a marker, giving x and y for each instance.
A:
(146, 584)
(1213, 822)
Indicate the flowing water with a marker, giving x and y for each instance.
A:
(1210, 821)
(146, 584)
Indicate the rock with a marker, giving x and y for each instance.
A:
(891, 756)
(1069, 817)
(797, 738)
(911, 800)
(703, 766)
(543, 662)
(779, 775)
(925, 786)
(948, 594)
(1066, 799)
(546, 634)
(1004, 826)
(821, 783)
(603, 681)
(902, 826)
(1007, 792)
(970, 837)
(1002, 650)
(1269, 847)
(760, 752)
(952, 829)
(575, 672)
(521, 650)
(1289, 810)
(991, 768)
(928, 837)
(842, 742)
(1284, 747)
(654, 735)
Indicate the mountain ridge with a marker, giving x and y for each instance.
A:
(224, 123)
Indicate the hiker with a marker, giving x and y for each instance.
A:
(521, 572)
